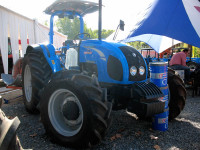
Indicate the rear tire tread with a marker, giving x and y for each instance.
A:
(177, 94)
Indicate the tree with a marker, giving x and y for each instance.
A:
(46, 23)
(72, 27)
(196, 52)
(139, 45)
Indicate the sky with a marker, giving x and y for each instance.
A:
(113, 10)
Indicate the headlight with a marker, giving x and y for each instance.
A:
(133, 70)
(141, 70)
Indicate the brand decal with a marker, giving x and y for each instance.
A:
(164, 81)
(88, 52)
(159, 75)
(162, 120)
(163, 99)
(53, 62)
(134, 55)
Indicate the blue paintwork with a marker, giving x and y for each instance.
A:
(158, 73)
(53, 60)
(68, 13)
(98, 52)
(196, 60)
(95, 51)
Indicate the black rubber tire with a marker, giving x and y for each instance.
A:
(192, 65)
(96, 111)
(40, 75)
(177, 96)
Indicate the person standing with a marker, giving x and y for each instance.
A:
(178, 62)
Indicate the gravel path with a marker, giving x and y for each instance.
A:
(126, 132)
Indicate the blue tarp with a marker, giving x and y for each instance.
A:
(177, 19)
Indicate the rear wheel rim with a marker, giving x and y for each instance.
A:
(58, 120)
(192, 66)
(27, 83)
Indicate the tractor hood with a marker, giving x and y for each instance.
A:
(82, 7)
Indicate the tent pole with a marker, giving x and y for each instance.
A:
(100, 19)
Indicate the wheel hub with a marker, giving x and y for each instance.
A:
(70, 110)
(65, 112)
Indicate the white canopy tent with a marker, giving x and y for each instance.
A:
(17, 27)
(157, 42)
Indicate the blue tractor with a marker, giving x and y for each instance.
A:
(76, 91)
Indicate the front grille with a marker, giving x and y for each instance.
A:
(134, 58)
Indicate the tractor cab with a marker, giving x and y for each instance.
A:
(70, 9)
(68, 53)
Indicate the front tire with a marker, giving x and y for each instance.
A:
(74, 113)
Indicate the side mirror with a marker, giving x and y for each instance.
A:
(121, 25)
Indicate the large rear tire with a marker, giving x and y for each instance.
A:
(192, 65)
(177, 96)
(36, 72)
(74, 112)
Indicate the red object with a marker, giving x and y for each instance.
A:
(10, 56)
(14, 87)
(20, 42)
(58, 52)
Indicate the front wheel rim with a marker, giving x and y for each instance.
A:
(61, 124)
(27, 83)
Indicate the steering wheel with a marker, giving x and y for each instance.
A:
(85, 36)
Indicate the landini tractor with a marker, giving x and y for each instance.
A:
(76, 91)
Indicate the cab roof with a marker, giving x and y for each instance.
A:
(82, 7)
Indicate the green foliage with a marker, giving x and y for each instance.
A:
(106, 33)
(138, 45)
(46, 23)
(68, 27)
(72, 27)
(196, 52)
